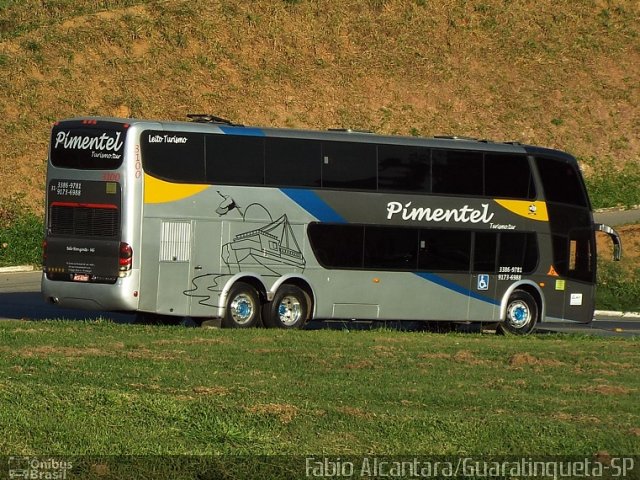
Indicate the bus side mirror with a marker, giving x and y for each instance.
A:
(615, 238)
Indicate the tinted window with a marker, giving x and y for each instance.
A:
(235, 159)
(561, 181)
(404, 169)
(349, 165)
(508, 176)
(390, 248)
(337, 246)
(457, 172)
(484, 252)
(292, 162)
(518, 250)
(444, 250)
(174, 156)
(87, 148)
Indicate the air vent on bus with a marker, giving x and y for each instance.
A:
(84, 220)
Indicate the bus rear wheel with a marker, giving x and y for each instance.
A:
(289, 308)
(522, 314)
(243, 307)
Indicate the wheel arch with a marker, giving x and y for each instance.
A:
(532, 289)
(297, 281)
(252, 279)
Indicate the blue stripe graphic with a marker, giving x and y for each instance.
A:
(247, 132)
(431, 277)
(312, 203)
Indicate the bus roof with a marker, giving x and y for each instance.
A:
(333, 134)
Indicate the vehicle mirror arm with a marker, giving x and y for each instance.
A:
(615, 238)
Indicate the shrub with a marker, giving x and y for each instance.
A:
(21, 233)
(618, 288)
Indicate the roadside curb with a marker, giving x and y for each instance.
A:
(612, 313)
(17, 269)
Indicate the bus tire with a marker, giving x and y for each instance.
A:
(243, 307)
(289, 308)
(522, 314)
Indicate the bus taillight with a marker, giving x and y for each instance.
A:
(126, 258)
(44, 252)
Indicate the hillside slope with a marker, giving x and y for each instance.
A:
(561, 73)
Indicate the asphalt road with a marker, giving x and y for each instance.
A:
(20, 299)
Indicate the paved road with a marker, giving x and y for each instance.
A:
(615, 218)
(20, 299)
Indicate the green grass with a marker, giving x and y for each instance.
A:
(609, 186)
(618, 287)
(21, 233)
(73, 388)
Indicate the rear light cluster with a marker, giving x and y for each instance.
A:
(125, 259)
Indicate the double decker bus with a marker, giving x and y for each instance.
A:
(274, 227)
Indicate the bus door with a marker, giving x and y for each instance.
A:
(484, 279)
(579, 299)
(206, 276)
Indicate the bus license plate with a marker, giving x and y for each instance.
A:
(81, 277)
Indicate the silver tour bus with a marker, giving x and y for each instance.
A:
(274, 227)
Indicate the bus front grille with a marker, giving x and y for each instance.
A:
(84, 220)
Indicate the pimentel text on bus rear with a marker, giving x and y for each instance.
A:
(82, 142)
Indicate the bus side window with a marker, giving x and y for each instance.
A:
(508, 176)
(457, 172)
(349, 165)
(337, 246)
(404, 169)
(235, 159)
(518, 250)
(292, 162)
(484, 252)
(448, 250)
(391, 248)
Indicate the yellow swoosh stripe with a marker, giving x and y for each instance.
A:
(159, 191)
(524, 208)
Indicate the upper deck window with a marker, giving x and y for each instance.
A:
(349, 165)
(457, 172)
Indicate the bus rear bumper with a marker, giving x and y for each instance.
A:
(121, 296)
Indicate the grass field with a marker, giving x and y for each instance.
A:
(74, 388)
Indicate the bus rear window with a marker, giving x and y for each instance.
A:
(86, 148)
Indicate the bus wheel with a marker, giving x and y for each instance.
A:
(289, 308)
(243, 307)
(522, 314)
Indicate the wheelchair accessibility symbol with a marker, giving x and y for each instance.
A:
(483, 282)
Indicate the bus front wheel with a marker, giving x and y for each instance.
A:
(289, 308)
(243, 307)
(522, 314)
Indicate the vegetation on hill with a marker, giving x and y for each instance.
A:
(556, 73)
